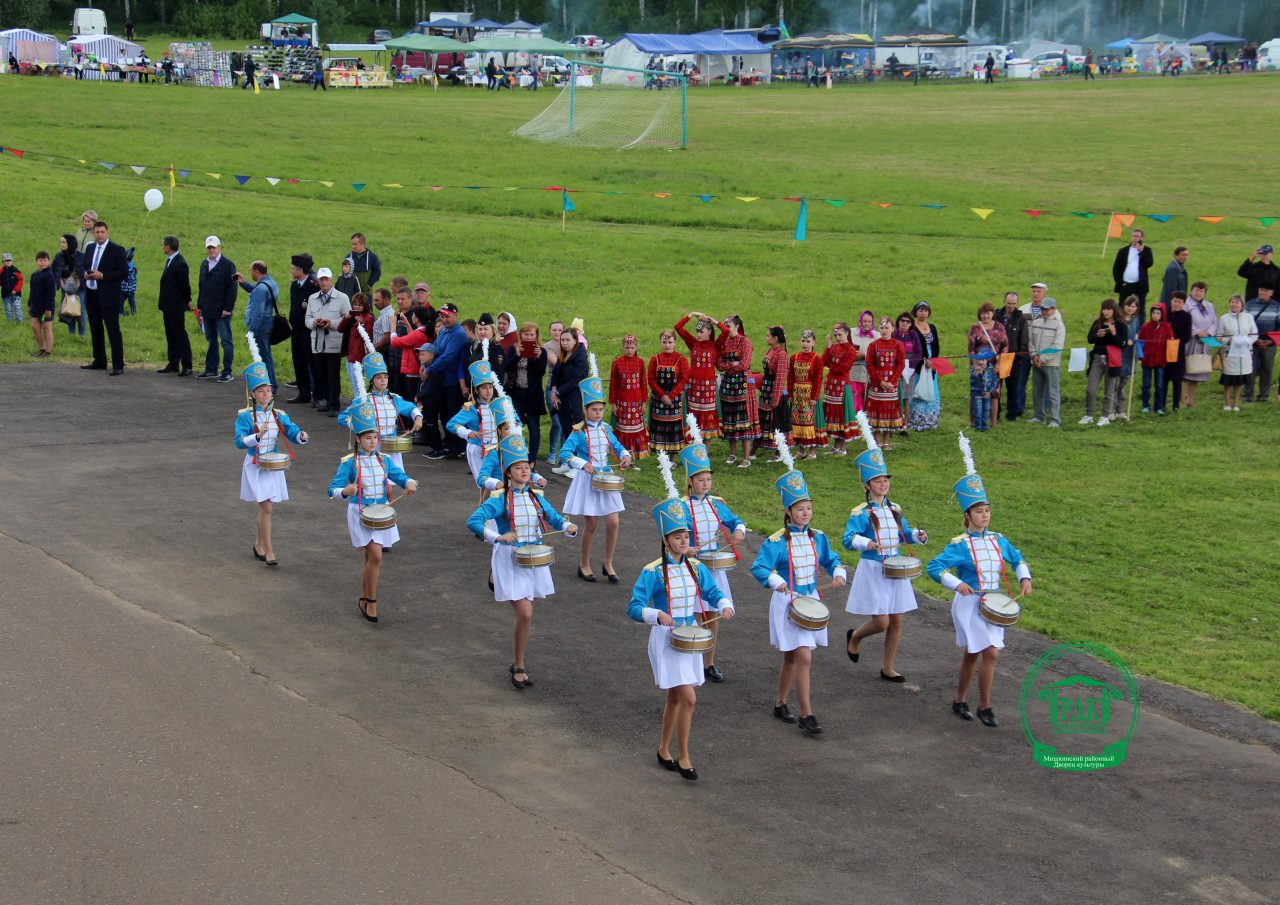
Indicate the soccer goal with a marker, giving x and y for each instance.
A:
(615, 107)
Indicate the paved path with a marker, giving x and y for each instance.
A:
(283, 750)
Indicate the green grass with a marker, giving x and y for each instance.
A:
(1155, 539)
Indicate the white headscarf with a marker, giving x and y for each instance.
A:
(512, 326)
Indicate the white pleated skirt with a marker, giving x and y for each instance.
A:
(671, 667)
(258, 486)
(784, 634)
(974, 633)
(475, 459)
(583, 499)
(362, 536)
(871, 594)
(515, 582)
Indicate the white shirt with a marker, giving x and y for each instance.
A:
(988, 562)
(98, 249)
(1131, 272)
(373, 478)
(213, 262)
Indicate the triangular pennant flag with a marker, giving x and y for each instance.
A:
(15, 152)
(662, 194)
(1274, 336)
(747, 199)
(109, 166)
(273, 180)
(553, 188)
(1088, 215)
(173, 180)
(136, 169)
(1115, 229)
(326, 183)
(293, 181)
(706, 199)
(802, 222)
(942, 366)
(184, 173)
(796, 198)
(358, 186)
(1032, 213)
(983, 212)
(83, 162)
(567, 202)
(243, 179)
(214, 175)
(881, 204)
(613, 193)
(1160, 218)
(436, 188)
(505, 188)
(1212, 220)
(473, 186)
(936, 207)
(834, 202)
(1267, 221)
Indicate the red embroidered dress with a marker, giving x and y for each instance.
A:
(702, 378)
(885, 360)
(739, 420)
(805, 384)
(668, 376)
(775, 398)
(837, 359)
(628, 391)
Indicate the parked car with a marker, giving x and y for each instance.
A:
(380, 36)
(558, 65)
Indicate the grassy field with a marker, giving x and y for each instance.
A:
(1152, 538)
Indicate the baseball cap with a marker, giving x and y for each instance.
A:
(450, 307)
(214, 241)
(1265, 250)
(1044, 286)
(324, 272)
(426, 286)
(1048, 302)
(427, 347)
(6, 257)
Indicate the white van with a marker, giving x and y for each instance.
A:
(88, 21)
(1269, 54)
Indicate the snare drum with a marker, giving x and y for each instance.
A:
(532, 555)
(809, 613)
(718, 559)
(692, 639)
(397, 443)
(273, 461)
(607, 480)
(378, 515)
(999, 609)
(902, 567)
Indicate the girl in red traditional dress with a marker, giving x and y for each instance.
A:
(837, 358)
(702, 369)
(775, 398)
(804, 382)
(740, 420)
(627, 395)
(668, 375)
(886, 357)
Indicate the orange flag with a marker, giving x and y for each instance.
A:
(1118, 223)
(1171, 350)
(1213, 220)
(1005, 368)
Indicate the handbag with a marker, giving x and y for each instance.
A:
(70, 306)
(1199, 363)
(280, 329)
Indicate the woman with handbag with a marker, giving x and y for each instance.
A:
(987, 341)
(1238, 332)
(1108, 336)
(68, 269)
(1204, 323)
(926, 404)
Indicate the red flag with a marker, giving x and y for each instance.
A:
(941, 366)
(15, 152)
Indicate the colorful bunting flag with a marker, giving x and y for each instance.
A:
(1115, 229)
(1171, 349)
(1275, 337)
(109, 166)
(358, 186)
(1032, 213)
(82, 162)
(941, 366)
(802, 222)
(662, 194)
(1005, 368)
(983, 212)
(1211, 342)
(834, 202)
(214, 175)
(1160, 218)
(706, 199)
(1267, 221)
(326, 183)
(184, 173)
(882, 204)
(747, 199)
(1214, 221)
(243, 179)
(137, 169)
(613, 193)
(292, 181)
(273, 180)
(1079, 360)
(1088, 215)
(436, 188)
(935, 207)
(567, 201)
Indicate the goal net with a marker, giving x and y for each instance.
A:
(614, 107)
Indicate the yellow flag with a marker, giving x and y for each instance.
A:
(983, 212)
(172, 179)
(255, 87)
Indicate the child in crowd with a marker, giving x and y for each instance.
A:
(357, 348)
(627, 393)
(11, 289)
(41, 297)
(837, 359)
(703, 353)
(474, 422)
(1132, 320)
(1153, 340)
(129, 287)
(668, 376)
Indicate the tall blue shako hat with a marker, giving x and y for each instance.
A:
(592, 389)
(363, 417)
(374, 363)
(694, 457)
(871, 462)
(255, 375)
(670, 514)
(481, 372)
(969, 490)
(503, 410)
(511, 448)
(791, 486)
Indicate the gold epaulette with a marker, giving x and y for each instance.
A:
(959, 538)
(895, 507)
(247, 408)
(347, 456)
(653, 565)
(777, 535)
(494, 493)
(858, 508)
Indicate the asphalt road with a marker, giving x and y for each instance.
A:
(183, 724)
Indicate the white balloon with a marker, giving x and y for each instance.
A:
(153, 199)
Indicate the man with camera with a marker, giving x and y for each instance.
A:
(1129, 271)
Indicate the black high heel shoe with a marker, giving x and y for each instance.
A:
(584, 576)
(361, 605)
(257, 555)
(612, 576)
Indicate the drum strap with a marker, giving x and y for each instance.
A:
(1004, 575)
(511, 513)
(791, 574)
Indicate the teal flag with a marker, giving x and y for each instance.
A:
(568, 204)
(802, 222)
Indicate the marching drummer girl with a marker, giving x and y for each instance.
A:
(515, 516)
(363, 480)
(671, 592)
(474, 423)
(491, 471)
(973, 564)
(712, 524)
(387, 406)
(788, 564)
(877, 529)
(587, 453)
(259, 427)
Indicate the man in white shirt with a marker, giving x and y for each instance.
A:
(1129, 271)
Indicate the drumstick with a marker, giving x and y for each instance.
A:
(397, 499)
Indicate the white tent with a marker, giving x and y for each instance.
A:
(715, 53)
(107, 48)
(10, 38)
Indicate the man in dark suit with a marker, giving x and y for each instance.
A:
(105, 266)
(217, 302)
(301, 287)
(175, 302)
(1129, 271)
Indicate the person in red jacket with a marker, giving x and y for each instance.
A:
(419, 334)
(11, 289)
(358, 317)
(837, 358)
(703, 353)
(628, 390)
(668, 377)
(886, 359)
(1154, 338)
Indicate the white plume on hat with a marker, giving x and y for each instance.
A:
(368, 343)
(966, 452)
(357, 370)
(484, 349)
(784, 450)
(253, 346)
(593, 369)
(664, 466)
(695, 432)
(867, 433)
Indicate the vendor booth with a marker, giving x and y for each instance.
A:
(346, 67)
(293, 30)
(103, 56)
(845, 56)
(715, 54)
(32, 49)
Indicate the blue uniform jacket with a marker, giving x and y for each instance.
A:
(770, 567)
(346, 474)
(859, 532)
(649, 595)
(495, 509)
(490, 476)
(955, 563)
(404, 409)
(574, 449)
(245, 438)
(468, 419)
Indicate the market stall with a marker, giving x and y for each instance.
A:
(30, 48)
(345, 70)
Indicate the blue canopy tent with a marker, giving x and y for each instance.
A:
(1214, 37)
(486, 23)
(713, 52)
(442, 25)
(1121, 44)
